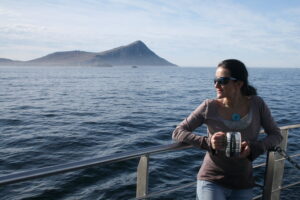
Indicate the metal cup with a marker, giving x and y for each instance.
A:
(233, 146)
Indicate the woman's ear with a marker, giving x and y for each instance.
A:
(240, 84)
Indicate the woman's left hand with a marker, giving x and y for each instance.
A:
(245, 150)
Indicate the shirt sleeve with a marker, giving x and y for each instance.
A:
(184, 131)
(270, 127)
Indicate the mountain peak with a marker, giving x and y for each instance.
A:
(138, 42)
(136, 46)
(135, 53)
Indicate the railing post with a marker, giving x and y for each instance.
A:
(274, 171)
(279, 166)
(269, 176)
(142, 176)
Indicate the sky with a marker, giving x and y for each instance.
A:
(185, 32)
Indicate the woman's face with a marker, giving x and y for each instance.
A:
(228, 90)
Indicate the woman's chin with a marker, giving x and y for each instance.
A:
(219, 96)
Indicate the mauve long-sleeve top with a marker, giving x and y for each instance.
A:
(235, 173)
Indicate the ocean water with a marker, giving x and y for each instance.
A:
(57, 115)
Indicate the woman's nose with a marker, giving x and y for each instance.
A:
(217, 85)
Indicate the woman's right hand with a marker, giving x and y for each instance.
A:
(218, 141)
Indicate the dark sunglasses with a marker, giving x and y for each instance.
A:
(223, 80)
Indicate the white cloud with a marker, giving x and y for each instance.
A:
(8, 13)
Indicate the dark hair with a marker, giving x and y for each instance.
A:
(239, 71)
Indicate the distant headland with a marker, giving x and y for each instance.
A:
(134, 54)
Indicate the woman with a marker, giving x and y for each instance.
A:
(237, 108)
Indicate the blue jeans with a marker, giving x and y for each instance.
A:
(211, 191)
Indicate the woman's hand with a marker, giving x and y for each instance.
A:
(245, 150)
(218, 141)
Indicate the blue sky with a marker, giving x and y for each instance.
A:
(185, 32)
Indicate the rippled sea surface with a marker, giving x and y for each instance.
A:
(57, 115)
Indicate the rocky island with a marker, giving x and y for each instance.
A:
(134, 54)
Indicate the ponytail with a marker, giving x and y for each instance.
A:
(248, 90)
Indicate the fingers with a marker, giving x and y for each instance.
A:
(245, 150)
(218, 141)
(244, 144)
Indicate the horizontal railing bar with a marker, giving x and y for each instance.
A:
(292, 156)
(286, 186)
(167, 190)
(259, 165)
(290, 126)
(264, 164)
(257, 197)
(290, 185)
(285, 127)
(57, 169)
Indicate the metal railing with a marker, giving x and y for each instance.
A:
(272, 181)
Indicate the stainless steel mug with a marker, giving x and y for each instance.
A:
(233, 146)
